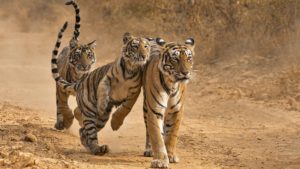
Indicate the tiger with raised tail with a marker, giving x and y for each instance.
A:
(114, 84)
(164, 84)
(72, 63)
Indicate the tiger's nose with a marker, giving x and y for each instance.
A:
(143, 56)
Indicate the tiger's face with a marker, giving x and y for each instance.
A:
(82, 57)
(177, 60)
(136, 51)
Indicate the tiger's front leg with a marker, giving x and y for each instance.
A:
(120, 114)
(172, 123)
(171, 128)
(155, 130)
(64, 115)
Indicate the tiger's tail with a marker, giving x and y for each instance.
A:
(77, 18)
(70, 87)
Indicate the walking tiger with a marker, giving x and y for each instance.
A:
(165, 81)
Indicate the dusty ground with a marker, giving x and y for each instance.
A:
(240, 113)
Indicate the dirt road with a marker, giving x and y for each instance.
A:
(225, 125)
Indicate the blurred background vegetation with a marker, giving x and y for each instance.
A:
(222, 28)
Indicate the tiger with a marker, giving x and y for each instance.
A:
(116, 84)
(73, 62)
(165, 80)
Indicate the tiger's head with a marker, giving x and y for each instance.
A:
(82, 56)
(135, 52)
(177, 59)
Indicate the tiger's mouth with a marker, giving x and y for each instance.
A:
(141, 59)
(83, 68)
(182, 77)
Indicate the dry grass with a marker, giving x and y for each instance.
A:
(221, 27)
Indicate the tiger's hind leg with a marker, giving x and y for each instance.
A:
(92, 124)
(89, 137)
(64, 114)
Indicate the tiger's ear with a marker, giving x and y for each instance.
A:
(92, 44)
(127, 37)
(190, 42)
(160, 41)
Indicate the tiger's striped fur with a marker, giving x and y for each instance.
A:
(72, 63)
(164, 84)
(115, 84)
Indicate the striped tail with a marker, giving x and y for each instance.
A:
(77, 17)
(70, 87)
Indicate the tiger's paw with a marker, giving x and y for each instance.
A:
(148, 153)
(100, 150)
(116, 122)
(159, 163)
(59, 125)
(68, 122)
(173, 159)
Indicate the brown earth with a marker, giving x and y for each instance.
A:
(242, 111)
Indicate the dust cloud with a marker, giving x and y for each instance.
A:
(243, 102)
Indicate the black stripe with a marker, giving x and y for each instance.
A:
(77, 26)
(86, 122)
(92, 138)
(174, 113)
(65, 26)
(55, 52)
(57, 44)
(158, 115)
(67, 85)
(113, 75)
(56, 79)
(88, 108)
(177, 102)
(157, 100)
(163, 83)
(145, 109)
(123, 67)
(172, 107)
(174, 94)
(90, 127)
(135, 74)
(77, 10)
(69, 75)
(88, 115)
(77, 18)
(60, 36)
(89, 93)
(54, 70)
(54, 61)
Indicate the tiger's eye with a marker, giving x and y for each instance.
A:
(90, 56)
